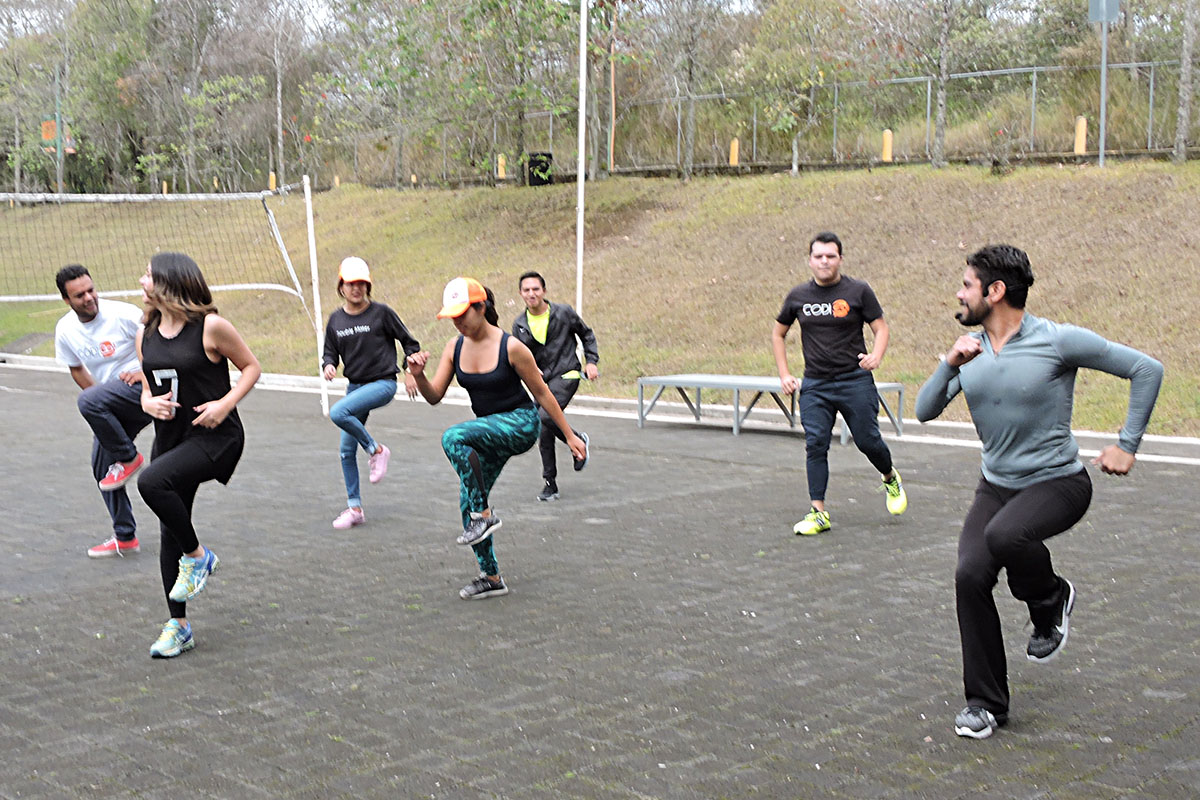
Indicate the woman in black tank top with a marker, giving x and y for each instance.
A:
(185, 350)
(496, 370)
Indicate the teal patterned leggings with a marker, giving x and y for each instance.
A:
(478, 449)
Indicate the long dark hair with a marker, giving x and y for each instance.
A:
(179, 288)
(488, 307)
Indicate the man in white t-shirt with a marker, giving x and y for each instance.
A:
(97, 340)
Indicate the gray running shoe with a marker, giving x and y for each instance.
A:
(479, 528)
(482, 588)
(977, 722)
(1045, 645)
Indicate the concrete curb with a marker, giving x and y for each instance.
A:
(1182, 450)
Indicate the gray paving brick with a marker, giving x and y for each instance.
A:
(661, 613)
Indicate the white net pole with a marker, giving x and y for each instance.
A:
(581, 172)
(316, 287)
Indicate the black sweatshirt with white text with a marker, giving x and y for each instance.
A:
(366, 343)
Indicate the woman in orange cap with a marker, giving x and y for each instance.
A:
(491, 366)
(363, 335)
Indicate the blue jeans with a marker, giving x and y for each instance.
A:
(113, 411)
(858, 402)
(350, 414)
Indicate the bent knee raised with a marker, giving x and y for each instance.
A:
(91, 400)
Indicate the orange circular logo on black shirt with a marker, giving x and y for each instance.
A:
(840, 308)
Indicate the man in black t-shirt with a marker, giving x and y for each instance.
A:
(831, 310)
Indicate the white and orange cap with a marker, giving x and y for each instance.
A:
(354, 269)
(459, 295)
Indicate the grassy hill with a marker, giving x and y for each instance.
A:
(688, 278)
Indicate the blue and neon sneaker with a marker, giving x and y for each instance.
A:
(193, 574)
(174, 639)
(897, 500)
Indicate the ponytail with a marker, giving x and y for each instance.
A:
(489, 308)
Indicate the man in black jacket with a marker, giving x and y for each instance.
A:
(550, 332)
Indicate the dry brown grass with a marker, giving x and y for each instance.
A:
(688, 278)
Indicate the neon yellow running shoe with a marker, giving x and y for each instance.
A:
(897, 500)
(814, 522)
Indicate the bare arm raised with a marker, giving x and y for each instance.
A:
(522, 361)
(433, 390)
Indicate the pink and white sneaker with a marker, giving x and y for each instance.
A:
(379, 463)
(349, 518)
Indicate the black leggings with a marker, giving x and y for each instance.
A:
(1006, 528)
(168, 486)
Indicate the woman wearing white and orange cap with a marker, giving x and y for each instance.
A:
(491, 366)
(363, 335)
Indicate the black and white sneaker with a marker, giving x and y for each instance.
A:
(479, 528)
(976, 722)
(549, 492)
(483, 587)
(1046, 644)
(580, 463)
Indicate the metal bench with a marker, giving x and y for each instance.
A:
(737, 384)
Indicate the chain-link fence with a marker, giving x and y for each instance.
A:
(993, 115)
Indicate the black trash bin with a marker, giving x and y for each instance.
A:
(541, 169)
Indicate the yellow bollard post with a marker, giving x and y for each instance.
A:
(164, 187)
(500, 164)
(886, 155)
(215, 185)
(1080, 135)
(337, 181)
(733, 152)
(271, 181)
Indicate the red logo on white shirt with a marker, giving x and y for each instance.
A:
(107, 349)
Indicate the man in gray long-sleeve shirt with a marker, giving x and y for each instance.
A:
(1018, 377)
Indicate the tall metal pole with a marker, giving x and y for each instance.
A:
(612, 92)
(316, 289)
(1103, 84)
(580, 171)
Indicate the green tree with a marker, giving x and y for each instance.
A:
(798, 44)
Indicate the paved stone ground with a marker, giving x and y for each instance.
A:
(666, 635)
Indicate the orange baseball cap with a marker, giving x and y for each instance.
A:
(458, 295)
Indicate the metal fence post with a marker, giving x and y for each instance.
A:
(835, 110)
(928, 108)
(1033, 113)
(1150, 115)
(754, 145)
(678, 132)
